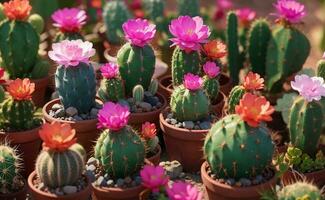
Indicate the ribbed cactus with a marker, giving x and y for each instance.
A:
(211, 86)
(189, 105)
(236, 150)
(57, 169)
(183, 63)
(300, 191)
(2, 15)
(234, 60)
(305, 125)
(154, 9)
(153, 87)
(76, 86)
(41, 69)
(121, 152)
(188, 7)
(137, 65)
(115, 13)
(259, 37)
(9, 168)
(321, 68)
(111, 89)
(138, 93)
(235, 95)
(37, 22)
(287, 51)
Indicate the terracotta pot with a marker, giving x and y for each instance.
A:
(218, 105)
(144, 195)
(225, 83)
(86, 130)
(182, 144)
(28, 144)
(219, 191)
(20, 195)
(317, 177)
(40, 195)
(155, 159)
(165, 86)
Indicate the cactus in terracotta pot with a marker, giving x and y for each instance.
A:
(149, 135)
(299, 190)
(119, 148)
(210, 80)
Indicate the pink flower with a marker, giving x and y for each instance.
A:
(113, 116)
(109, 70)
(310, 88)
(222, 7)
(2, 74)
(211, 69)
(189, 33)
(246, 16)
(153, 177)
(183, 191)
(290, 10)
(192, 82)
(71, 53)
(139, 32)
(69, 19)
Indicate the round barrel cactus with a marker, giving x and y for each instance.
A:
(299, 190)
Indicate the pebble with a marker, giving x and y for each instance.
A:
(245, 182)
(124, 103)
(56, 107)
(173, 168)
(197, 127)
(169, 116)
(98, 105)
(77, 118)
(145, 106)
(71, 111)
(213, 176)
(173, 121)
(127, 180)
(138, 180)
(257, 180)
(120, 182)
(90, 174)
(168, 120)
(94, 112)
(205, 125)
(84, 116)
(147, 94)
(188, 124)
(54, 95)
(179, 125)
(230, 181)
(182, 175)
(101, 181)
(58, 192)
(110, 182)
(153, 101)
(59, 113)
(92, 160)
(69, 189)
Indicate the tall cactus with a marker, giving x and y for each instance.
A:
(154, 9)
(300, 190)
(211, 86)
(188, 7)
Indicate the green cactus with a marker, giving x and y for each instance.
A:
(137, 65)
(111, 89)
(211, 86)
(235, 96)
(41, 69)
(60, 36)
(284, 104)
(37, 22)
(153, 87)
(9, 168)
(287, 51)
(154, 9)
(2, 15)
(321, 68)
(305, 125)
(183, 63)
(259, 37)
(299, 191)
(231, 143)
(234, 59)
(152, 144)
(121, 152)
(115, 13)
(2, 94)
(76, 86)
(188, 7)
(189, 105)
(44, 7)
(138, 93)
(57, 169)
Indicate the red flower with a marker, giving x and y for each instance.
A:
(215, 49)
(17, 9)
(149, 130)
(253, 81)
(21, 89)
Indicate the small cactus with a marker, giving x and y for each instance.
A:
(235, 96)
(321, 68)
(153, 87)
(37, 22)
(138, 93)
(300, 191)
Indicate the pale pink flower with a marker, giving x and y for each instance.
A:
(109, 70)
(183, 191)
(246, 16)
(153, 177)
(113, 116)
(290, 10)
(310, 88)
(189, 33)
(139, 32)
(71, 53)
(192, 82)
(211, 69)
(69, 19)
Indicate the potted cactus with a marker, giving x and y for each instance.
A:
(151, 141)
(19, 121)
(18, 62)
(119, 154)
(13, 185)
(59, 166)
(239, 152)
(76, 86)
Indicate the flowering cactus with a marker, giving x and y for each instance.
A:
(149, 134)
(183, 191)
(290, 11)
(154, 178)
(215, 50)
(17, 9)
(211, 83)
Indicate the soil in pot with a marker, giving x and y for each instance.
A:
(243, 189)
(81, 190)
(165, 86)
(18, 192)
(225, 83)
(154, 157)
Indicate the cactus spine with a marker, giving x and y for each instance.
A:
(305, 125)
(137, 66)
(183, 63)
(57, 169)
(300, 190)
(111, 89)
(121, 152)
(231, 143)
(235, 96)
(153, 87)
(321, 68)
(188, 7)
(211, 86)
(76, 86)
(138, 93)
(189, 105)
(259, 37)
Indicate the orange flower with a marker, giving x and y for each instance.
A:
(17, 9)
(149, 130)
(21, 89)
(253, 81)
(254, 109)
(215, 49)
(57, 136)
(96, 4)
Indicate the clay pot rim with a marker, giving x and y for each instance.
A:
(221, 99)
(165, 77)
(157, 154)
(32, 176)
(22, 191)
(161, 97)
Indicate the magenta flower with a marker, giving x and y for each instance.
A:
(192, 82)
(71, 53)
(113, 116)
(189, 33)
(290, 10)
(211, 69)
(183, 191)
(222, 7)
(246, 16)
(69, 19)
(139, 32)
(310, 88)
(109, 70)
(153, 177)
